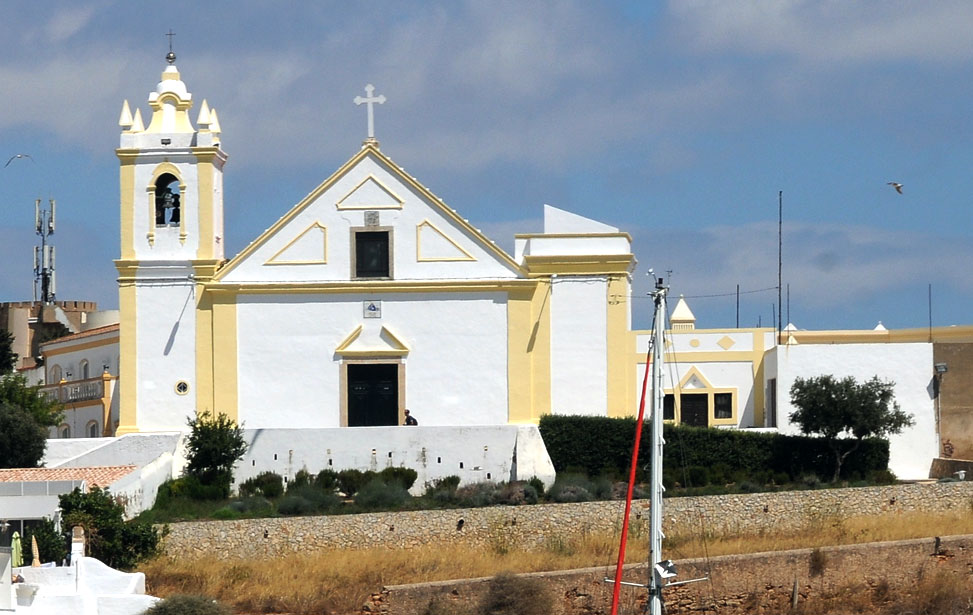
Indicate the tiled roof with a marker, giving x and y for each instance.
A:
(83, 334)
(100, 476)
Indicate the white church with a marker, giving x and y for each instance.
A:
(372, 296)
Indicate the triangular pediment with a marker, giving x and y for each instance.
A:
(433, 244)
(308, 248)
(316, 241)
(362, 343)
(370, 193)
(694, 380)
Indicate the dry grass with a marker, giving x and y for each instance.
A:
(341, 581)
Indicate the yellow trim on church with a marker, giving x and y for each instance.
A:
(578, 264)
(397, 203)
(619, 342)
(324, 256)
(225, 385)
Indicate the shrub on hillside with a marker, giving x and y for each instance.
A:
(307, 500)
(442, 491)
(517, 493)
(188, 605)
(328, 480)
(351, 480)
(397, 474)
(266, 484)
(302, 478)
(379, 495)
(51, 544)
(214, 445)
(112, 540)
(476, 495)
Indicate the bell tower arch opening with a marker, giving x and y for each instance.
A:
(167, 200)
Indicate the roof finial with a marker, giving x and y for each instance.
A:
(170, 57)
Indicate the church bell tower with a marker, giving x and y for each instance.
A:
(171, 181)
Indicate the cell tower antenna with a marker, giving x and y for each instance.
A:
(44, 283)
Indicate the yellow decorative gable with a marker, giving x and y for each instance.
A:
(385, 344)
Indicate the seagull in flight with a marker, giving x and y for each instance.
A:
(15, 156)
(897, 186)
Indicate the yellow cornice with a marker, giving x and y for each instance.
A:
(936, 334)
(52, 352)
(578, 264)
(367, 150)
(372, 286)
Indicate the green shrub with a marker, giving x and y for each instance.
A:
(573, 487)
(538, 485)
(516, 493)
(295, 505)
(115, 542)
(397, 474)
(188, 605)
(328, 480)
(226, 513)
(302, 478)
(255, 505)
(378, 495)
(267, 484)
(351, 480)
(321, 500)
(214, 445)
(52, 546)
(603, 446)
(476, 495)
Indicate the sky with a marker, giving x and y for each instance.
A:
(690, 125)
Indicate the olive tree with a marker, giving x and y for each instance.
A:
(833, 408)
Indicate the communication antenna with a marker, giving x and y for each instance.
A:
(44, 284)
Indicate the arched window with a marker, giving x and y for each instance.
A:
(55, 376)
(93, 429)
(166, 200)
(83, 368)
(64, 431)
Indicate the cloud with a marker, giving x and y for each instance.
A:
(68, 21)
(839, 34)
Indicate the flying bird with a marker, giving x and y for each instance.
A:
(14, 157)
(897, 186)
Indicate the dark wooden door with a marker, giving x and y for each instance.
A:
(694, 409)
(373, 394)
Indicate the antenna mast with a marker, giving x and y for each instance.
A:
(44, 254)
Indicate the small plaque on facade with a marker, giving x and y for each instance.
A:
(371, 218)
(372, 309)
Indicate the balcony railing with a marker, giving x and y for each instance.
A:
(75, 391)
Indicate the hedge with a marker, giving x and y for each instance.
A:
(603, 446)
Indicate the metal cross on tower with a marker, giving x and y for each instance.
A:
(370, 101)
(170, 57)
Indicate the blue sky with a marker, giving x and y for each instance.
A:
(678, 123)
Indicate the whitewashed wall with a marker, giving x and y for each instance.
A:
(910, 366)
(166, 341)
(474, 454)
(579, 350)
(455, 371)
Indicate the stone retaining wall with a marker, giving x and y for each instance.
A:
(533, 526)
(846, 579)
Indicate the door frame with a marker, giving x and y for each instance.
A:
(343, 384)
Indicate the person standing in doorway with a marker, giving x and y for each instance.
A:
(409, 419)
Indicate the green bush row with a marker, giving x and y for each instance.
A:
(601, 446)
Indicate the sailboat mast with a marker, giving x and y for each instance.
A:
(655, 459)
